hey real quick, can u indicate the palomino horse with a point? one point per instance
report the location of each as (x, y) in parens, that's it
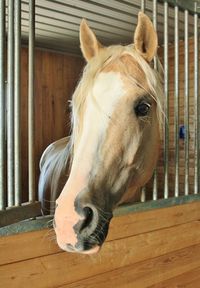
(116, 126)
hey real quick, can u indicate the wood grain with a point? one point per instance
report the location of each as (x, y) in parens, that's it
(120, 227)
(189, 279)
(144, 274)
(56, 76)
(62, 268)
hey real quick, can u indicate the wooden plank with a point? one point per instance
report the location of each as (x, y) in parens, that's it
(27, 245)
(56, 76)
(190, 279)
(63, 268)
(146, 273)
(16, 214)
(120, 227)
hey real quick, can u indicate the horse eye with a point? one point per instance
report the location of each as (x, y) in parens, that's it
(142, 109)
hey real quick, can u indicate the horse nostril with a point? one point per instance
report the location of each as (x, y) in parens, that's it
(88, 213)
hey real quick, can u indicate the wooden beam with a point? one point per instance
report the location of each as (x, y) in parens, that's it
(65, 268)
(190, 279)
(16, 214)
(120, 227)
(150, 272)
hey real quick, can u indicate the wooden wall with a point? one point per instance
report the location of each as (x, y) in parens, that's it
(56, 77)
(157, 249)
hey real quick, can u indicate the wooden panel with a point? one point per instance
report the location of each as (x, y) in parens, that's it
(186, 280)
(120, 227)
(19, 213)
(127, 247)
(56, 76)
(62, 268)
(26, 246)
(144, 274)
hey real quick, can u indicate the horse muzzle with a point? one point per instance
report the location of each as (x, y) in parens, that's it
(89, 232)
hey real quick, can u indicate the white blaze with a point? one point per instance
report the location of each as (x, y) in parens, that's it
(100, 103)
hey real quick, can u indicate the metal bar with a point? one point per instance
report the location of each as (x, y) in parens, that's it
(143, 189)
(183, 4)
(19, 213)
(186, 104)
(143, 5)
(2, 107)
(155, 180)
(176, 98)
(10, 105)
(31, 68)
(155, 4)
(17, 95)
(143, 194)
(155, 185)
(166, 91)
(196, 101)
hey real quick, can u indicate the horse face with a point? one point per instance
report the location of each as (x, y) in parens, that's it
(117, 141)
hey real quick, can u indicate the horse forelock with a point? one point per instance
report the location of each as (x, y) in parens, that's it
(106, 57)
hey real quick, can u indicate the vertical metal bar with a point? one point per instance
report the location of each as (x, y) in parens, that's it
(143, 4)
(176, 99)
(17, 92)
(10, 105)
(196, 101)
(31, 142)
(186, 105)
(143, 190)
(155, 180)
(155, 25)
(2, 106)
(166, 91)
(143, 194)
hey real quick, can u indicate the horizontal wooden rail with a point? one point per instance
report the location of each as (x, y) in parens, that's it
(19, 213)
(142, 249)
(43, 222)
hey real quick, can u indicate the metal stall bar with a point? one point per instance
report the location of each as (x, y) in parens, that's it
(17, 94)
(31, 68)
(166, 91)
(143, 190)
(155, 4)
(10, 105)
(196, 101)
(176, 99)
(2, 106)
(143, 5)
(155, 180)
(186, 105)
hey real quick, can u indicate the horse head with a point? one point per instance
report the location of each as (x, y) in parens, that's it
(116, 124)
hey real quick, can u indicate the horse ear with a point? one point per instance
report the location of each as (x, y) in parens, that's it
(145, 38)
(89, 43)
